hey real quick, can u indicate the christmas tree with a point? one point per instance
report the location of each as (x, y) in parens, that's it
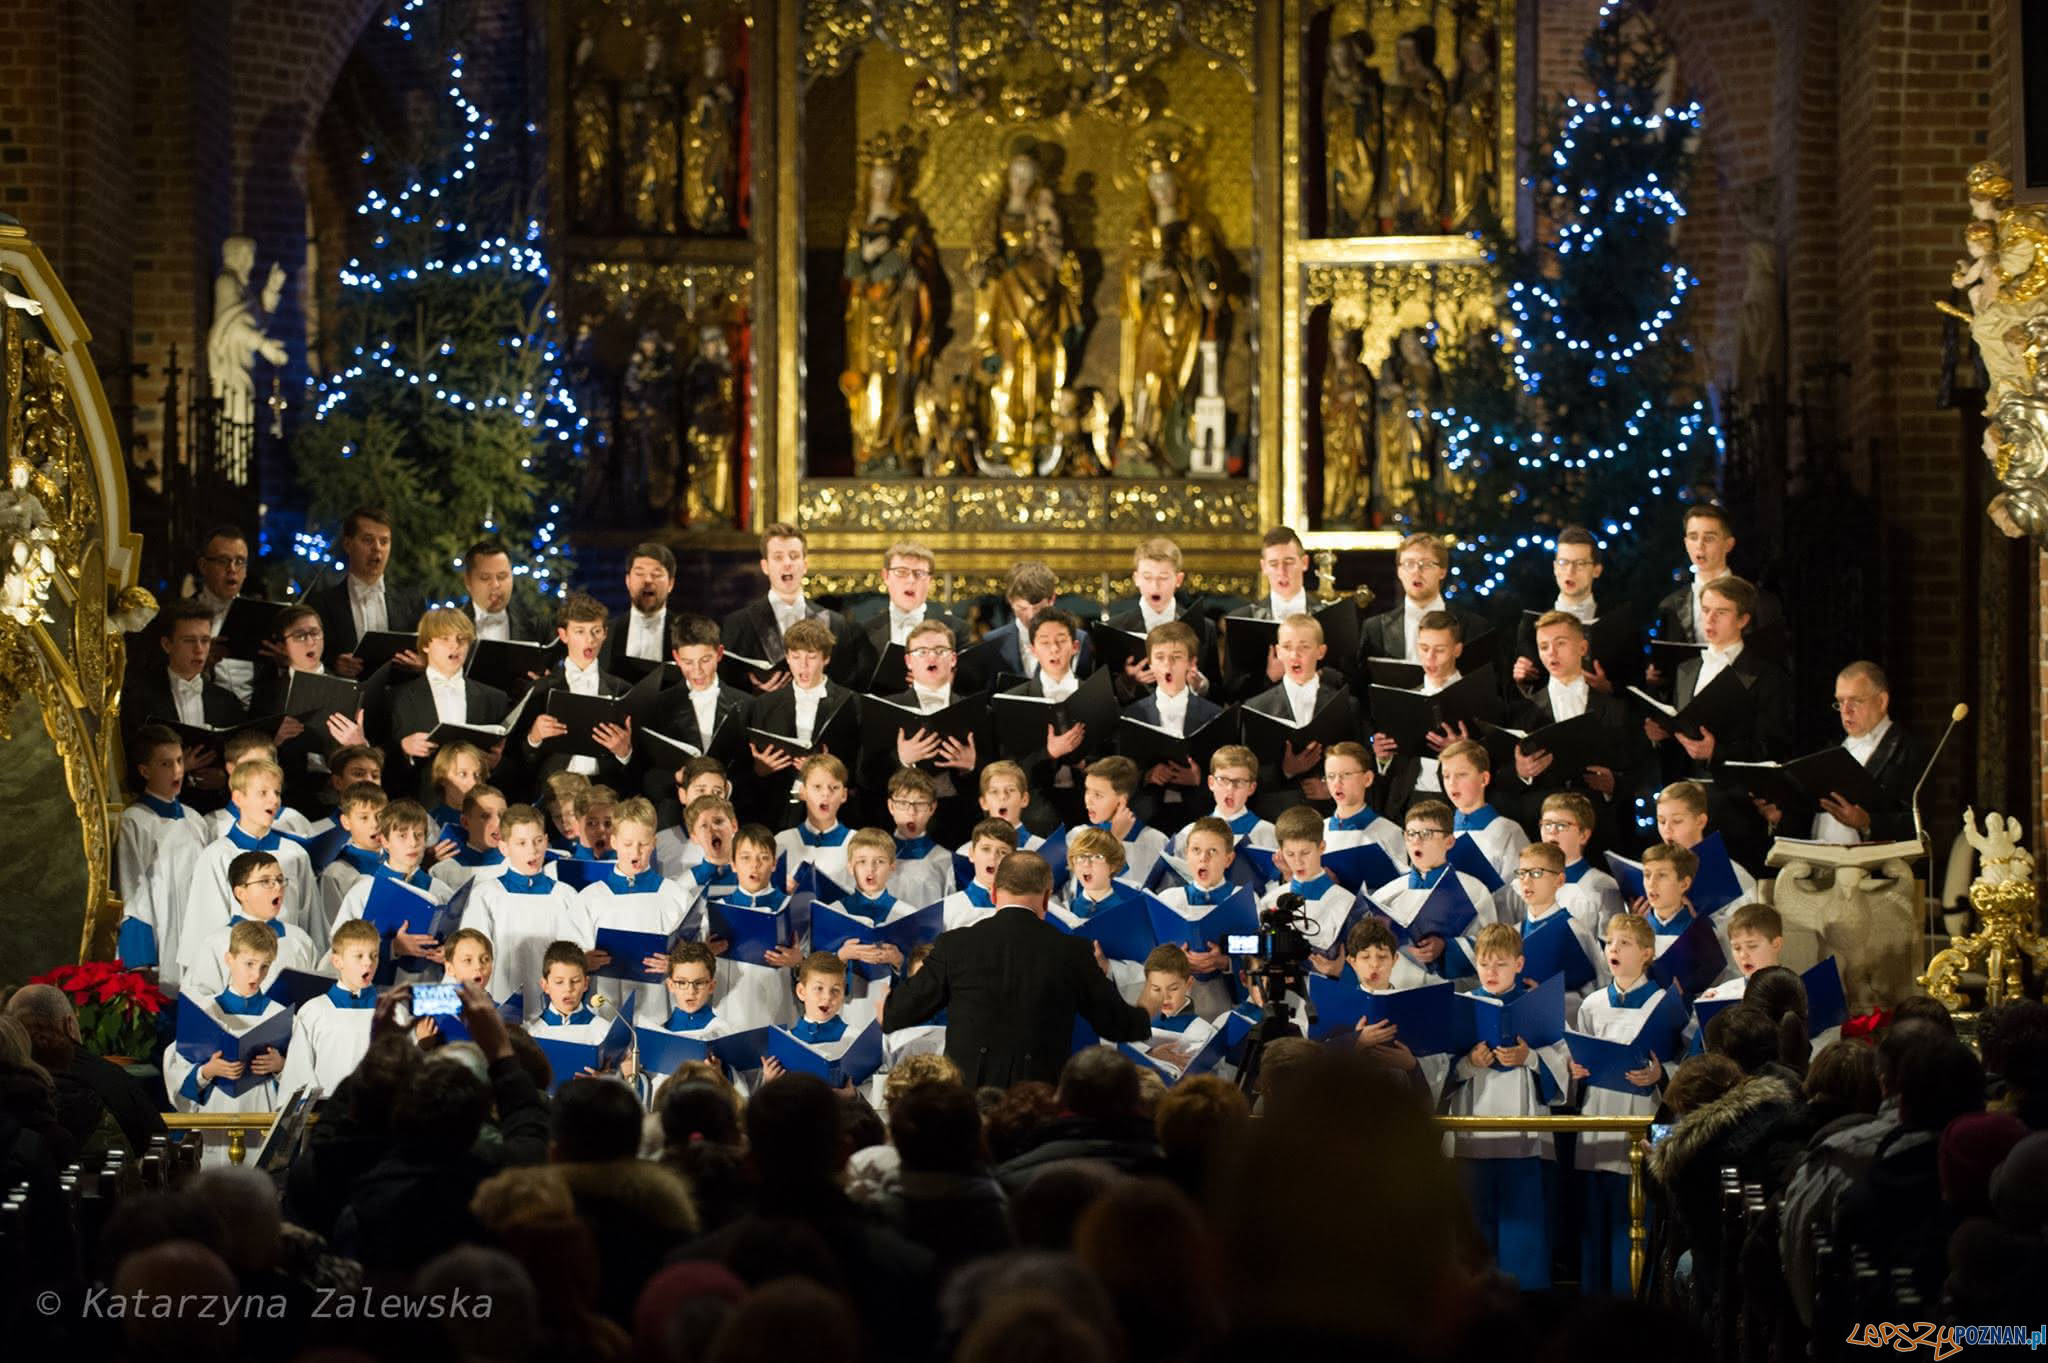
(451, 410)
(1584, 406)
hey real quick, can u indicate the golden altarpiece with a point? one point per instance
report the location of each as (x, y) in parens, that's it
(1021, 277)
(70, 565)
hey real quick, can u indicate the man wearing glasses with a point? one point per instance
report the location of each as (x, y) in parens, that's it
(223, 568)
(1422, 562)
(907, 571)
(1864, 700)
(1576, 567)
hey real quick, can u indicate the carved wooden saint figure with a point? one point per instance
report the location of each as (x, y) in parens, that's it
(650, 116)
(1353, 96)
(1413, 188)
(1027, 312)
(889, 266)
(1347, 419)
(710, 145)
(710, 427)
(1472, 137)
(1172, 294)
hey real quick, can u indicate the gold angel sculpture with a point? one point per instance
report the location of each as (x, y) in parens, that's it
(1172, 296)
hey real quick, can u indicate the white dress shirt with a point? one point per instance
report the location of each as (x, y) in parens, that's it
(1173, 711)
(236, 674)
(900, 624)
(788, 612)
(928, 701)
(1061, 689)
(705, 704)
(1411, 617)
(451, 697)
(643, 636)
(189, 697)
(1283, 608)
(1699, 628)
(366, 605)
(492, 624)
(1586, 610)
(807, 703)
(584, 681)
(1024, 654)
(1826, 827)
(1152, 621)
(1302, 697)
(1715, 661)
(1427, 775)
(1567, 700)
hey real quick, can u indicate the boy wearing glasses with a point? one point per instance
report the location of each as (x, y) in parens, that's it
(1427, 834)
(931, 656)
(924, 868)
(257, 882)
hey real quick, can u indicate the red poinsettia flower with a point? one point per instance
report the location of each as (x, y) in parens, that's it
(1867, 1024)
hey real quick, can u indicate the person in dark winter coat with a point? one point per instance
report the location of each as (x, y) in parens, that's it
(1724, 1118)
(1100, 1119)
(945, 1198)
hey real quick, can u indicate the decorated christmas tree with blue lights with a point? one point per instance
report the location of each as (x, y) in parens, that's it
(1585, 406)
(449, 409)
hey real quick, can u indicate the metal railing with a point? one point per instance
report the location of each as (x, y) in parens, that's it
(238, 1125)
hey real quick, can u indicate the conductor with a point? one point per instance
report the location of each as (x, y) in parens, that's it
(1012, 985)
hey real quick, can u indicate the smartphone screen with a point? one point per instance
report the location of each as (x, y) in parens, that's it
(436, 1000)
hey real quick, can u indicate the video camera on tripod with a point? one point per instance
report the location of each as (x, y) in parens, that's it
(1279, 952)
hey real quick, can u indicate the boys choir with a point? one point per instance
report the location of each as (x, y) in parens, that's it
(655, 838)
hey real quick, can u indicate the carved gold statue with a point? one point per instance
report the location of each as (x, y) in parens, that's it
(1413, 187)
(1408, 437)
(889, 266)
(647, 421)
(710, 145)
(591, 146)
(1172, 296)
(2004, 277)
(650, 152)
(710, 426)
(1472, 137)
(1347, 412)
(2008, 913)
(1353, 100)
(1027, 312)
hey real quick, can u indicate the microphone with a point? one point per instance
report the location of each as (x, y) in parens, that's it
(1955, 717)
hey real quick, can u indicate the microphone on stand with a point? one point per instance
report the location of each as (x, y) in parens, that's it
(1955, 717)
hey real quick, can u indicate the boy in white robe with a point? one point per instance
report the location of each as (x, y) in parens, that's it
(206, 1086)
(332, 1032)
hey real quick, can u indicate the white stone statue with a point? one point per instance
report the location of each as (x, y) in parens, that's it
(2001, 858)
(238, 335)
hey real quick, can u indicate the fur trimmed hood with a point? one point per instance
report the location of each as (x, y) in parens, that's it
(653, 1193)
(1748, 1102)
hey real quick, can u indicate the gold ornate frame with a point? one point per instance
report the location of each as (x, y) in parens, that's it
(57, 433)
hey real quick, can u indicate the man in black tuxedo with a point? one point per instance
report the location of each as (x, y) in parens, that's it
(1422, 562)
(1576, 567)
(1709, 536)
(1565, 693)
(1011, 986)
(487, 577)
(363, 602)
(907, 570)
(1863, 698)
(1761, 732)
(1157, 574)
(812, 709)
(756, 629)
(177, 690)
(640, 633)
